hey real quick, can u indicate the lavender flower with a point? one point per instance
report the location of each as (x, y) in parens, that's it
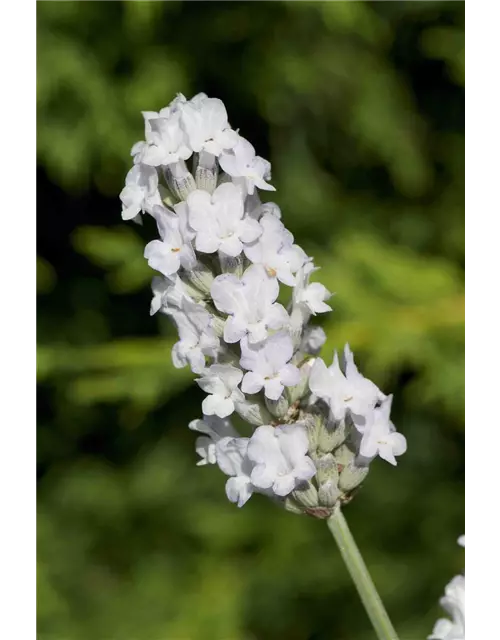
(222, 257)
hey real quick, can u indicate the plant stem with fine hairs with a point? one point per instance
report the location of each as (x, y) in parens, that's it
(361, 578)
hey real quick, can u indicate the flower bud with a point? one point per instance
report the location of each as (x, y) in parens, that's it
(179, 180)
(217, 324)
(253, 411)
(206, 172)
(306, 499)
(191, 291)
(327, 469)
(312, 340)
(227, 356)
(344, 456)
(331, 436)
(231, 265)
(313, 424)
(291, 505)
(297, 321)
(166, 197)
(200, 277)
(301, 389)
(278, 408)
(328, 494)
(352, 476)
(306, 495)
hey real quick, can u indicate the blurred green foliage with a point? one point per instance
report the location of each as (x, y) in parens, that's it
(359, 106)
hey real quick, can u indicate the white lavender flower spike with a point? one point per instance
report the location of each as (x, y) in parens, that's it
(221, 258)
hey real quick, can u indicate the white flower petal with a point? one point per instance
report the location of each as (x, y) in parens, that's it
(196, 360)
(249, 230)
(252, 382)
(239, 490)
(283, 485)
(228, 163)
(279, 350)
(234, 329)
(199, 203)
(273, 389)
(231, 246)
(320, 381)
(224, 292)
(289, 375)
(263, 446)
(231, 453)
(263, 476)
(398, 443)
(207, 243)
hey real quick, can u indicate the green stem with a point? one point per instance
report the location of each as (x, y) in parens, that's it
(361, 578)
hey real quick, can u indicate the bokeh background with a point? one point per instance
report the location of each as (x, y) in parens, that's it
(359, 107)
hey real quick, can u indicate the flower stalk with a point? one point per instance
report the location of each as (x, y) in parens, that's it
(359, 573)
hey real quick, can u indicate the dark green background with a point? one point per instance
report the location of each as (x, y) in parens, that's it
(359, 107)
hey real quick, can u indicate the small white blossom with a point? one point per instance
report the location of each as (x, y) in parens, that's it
(179, 179)
(351, 391)
(268, 365)
(255, 208)
(311, 296)
(280, 457)
(197, 337)
(214, 429)
(380, 436)
(453, 602)
(172, 251)
(221, 382)
(312, 340)
(206, 125)
(219, 222)
(139, 148)
(242, 163)
(366, 394)
(166, 142)
(174, 107)
(307, 299)
(275, 250)
(198, 99)
(231, 456)
(159, 286)
(140, 193)
(250, 303)
(270, 208)
(330, 384)
(168, 294)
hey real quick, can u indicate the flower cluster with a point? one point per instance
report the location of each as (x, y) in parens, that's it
(225, 260)
(453, 602)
